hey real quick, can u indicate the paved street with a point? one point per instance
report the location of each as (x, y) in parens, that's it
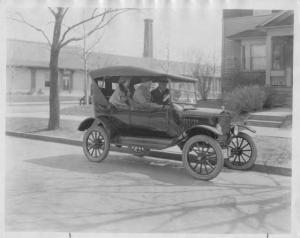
(52, 187)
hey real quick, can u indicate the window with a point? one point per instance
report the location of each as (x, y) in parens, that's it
(282, 52)
(258, 57)
(253, 56)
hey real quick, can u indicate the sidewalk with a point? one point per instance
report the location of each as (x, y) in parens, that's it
(260, 131)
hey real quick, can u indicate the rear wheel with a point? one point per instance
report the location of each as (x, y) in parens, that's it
(202, 157)
(96, 144)
(242, 152)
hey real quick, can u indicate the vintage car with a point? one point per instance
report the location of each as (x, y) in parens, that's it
(208, 138)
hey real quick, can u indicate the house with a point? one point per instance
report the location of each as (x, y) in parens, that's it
(257, 45)
(28, 68)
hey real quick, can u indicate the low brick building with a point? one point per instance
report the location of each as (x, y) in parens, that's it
(28, 68)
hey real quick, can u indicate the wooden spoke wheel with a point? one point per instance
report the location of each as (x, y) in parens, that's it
(242, 152)
(96, 144)
(202, 157)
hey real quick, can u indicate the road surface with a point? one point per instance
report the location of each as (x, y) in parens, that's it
(52, 187)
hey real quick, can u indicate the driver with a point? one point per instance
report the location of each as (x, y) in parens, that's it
(161, 95)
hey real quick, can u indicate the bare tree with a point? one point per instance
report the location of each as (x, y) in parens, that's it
(204, 71)
(99, 18)
(86, 52)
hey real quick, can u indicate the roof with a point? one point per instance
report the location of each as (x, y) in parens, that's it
(135, 71)
(36, 54)
(284, 18)
(253, 33)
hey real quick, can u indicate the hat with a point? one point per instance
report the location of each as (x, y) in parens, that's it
(124, 79)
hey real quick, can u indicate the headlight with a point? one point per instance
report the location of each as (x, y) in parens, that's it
(236, 130)
(219, 128)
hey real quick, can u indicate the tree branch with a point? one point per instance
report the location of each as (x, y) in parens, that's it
(22, 20)
(65, 12)
(96, 28)
(52, 11)
(93, 17)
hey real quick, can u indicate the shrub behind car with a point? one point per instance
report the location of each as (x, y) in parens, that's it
(246, 99)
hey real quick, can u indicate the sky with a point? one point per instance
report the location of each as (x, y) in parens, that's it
(185, 33)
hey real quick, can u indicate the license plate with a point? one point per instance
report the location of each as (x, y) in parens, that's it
(226, 152)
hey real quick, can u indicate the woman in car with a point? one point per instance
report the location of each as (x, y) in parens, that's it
(121, 96)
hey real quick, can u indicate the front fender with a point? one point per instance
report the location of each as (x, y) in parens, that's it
(242, 128)
(204, 129)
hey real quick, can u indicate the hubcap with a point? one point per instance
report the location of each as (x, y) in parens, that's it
(241, 151)
(202, 158)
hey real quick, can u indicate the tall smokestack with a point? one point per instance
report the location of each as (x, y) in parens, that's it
(148, 39)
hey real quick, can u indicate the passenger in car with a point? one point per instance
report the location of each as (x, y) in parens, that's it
(161, 95)
(121, 96)
(142, 94)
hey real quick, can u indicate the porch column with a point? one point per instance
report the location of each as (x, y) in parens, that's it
(32, 80)
(268, 59)
(71, 81)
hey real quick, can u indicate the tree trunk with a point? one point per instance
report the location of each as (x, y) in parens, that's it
(54, 83)
(54, 92)
(86, 88)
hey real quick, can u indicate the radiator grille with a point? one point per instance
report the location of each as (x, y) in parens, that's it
(189, 122)
(225, 122)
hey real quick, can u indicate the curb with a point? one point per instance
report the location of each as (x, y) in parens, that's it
(157, 154)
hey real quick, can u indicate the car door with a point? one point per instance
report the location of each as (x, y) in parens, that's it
(149, 121)
(159, 119)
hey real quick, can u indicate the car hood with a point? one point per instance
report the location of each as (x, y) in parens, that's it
(201, 112)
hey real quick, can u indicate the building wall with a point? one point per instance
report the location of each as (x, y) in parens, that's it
(42, 75)
(18, 79)
(231, 50)
(78, 82)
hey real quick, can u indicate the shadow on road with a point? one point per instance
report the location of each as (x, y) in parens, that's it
(230, 203)
(172, 173)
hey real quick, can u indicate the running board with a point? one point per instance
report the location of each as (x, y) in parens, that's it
(149, 143)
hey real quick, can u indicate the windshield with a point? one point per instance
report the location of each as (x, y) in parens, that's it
(183, 92)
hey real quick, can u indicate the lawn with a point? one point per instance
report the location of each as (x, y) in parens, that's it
(273, 151)
(36, 98)
(86, 110)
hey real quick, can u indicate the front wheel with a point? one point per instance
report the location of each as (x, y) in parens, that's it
(242, 152)
(202, 157)
(96, 144)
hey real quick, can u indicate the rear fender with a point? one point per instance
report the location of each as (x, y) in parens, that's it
(94, 122)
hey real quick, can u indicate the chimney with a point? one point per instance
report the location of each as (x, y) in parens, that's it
(148, 39)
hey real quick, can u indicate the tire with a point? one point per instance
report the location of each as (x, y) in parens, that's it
(194, 157)
(138, 150)
(96, 144)
(243, 152)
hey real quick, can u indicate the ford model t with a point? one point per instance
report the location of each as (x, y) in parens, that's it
(207, 138)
